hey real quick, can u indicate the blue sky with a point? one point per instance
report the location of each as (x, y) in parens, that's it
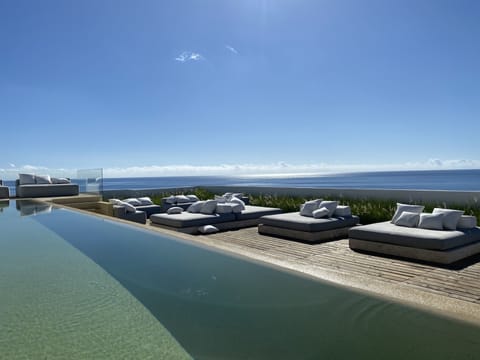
(156, 87)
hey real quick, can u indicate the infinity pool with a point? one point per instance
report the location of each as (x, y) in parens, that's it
(79, 286)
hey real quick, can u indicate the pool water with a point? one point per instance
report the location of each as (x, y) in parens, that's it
(99, 284)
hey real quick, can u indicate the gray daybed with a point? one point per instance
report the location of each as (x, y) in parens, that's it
(42, 190)
(138, 216)
(438, 246)
(304, 228)
(188, 222)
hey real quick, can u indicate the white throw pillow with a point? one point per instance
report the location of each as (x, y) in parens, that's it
(133, 201)
(115, 201)
(26, 179)
(342, 211)
(406, 207)
(237, 208)
(467, 222)
(43, 179)
(308, 207)
(174, 210)
(330, 205)
(209, 207)
(431, 221)
(207, 229)
(224, 208)
(60, 180)
(145, 200)
(450, 217)
(320, 213)
(196, 207)
(237, 201)
(408, 219)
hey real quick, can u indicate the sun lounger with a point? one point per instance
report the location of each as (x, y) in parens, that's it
(443, 237)
(438, 246)
(190, 222)
(304, 228)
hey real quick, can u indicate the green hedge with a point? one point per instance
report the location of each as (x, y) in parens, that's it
(369, 210)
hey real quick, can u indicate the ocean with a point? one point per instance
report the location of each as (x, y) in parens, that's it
(462, 180)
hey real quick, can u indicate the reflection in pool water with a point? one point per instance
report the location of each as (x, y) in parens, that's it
(220, 306)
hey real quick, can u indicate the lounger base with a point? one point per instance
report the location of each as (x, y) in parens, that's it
(223, 226)
(304, 236)
(435, 256)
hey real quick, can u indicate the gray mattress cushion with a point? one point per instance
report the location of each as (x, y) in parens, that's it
(38, 190)
(186, 219)
(255, 212)
(386, 232)
(295, 221)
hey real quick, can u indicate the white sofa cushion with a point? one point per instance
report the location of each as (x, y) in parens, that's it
(237, 201)
(330, 205)
(182, 199)
(320, 213)
(145, 200)
(467, 222)
(342, 211)
(237, 208)
(209, 207)
(26, 179)
(196, 207)
(128, 207)
(60, 180)
(408, 219)
(308, 207)
(171, 199)
(220, 199)
(192, 198)
(431, 221)
(224, 208)
(133, 201)
(406, 207)
(450, 217)
(43, 179)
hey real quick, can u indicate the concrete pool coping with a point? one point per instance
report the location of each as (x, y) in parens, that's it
(402, 281)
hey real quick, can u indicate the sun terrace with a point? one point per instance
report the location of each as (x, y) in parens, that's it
(90, 276)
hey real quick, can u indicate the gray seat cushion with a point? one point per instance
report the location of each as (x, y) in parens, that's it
(39, 190)
(149, 209)
(186, 219)
(295, 221)
(255, 212)
(386, 232)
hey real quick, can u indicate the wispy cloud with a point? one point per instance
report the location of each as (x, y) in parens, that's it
(271, 170)
(189, 56)
(231, 48)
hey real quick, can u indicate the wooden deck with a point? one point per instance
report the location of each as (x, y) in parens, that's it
(449, 290)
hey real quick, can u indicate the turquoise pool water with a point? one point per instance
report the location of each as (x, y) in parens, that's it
(78, 285)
